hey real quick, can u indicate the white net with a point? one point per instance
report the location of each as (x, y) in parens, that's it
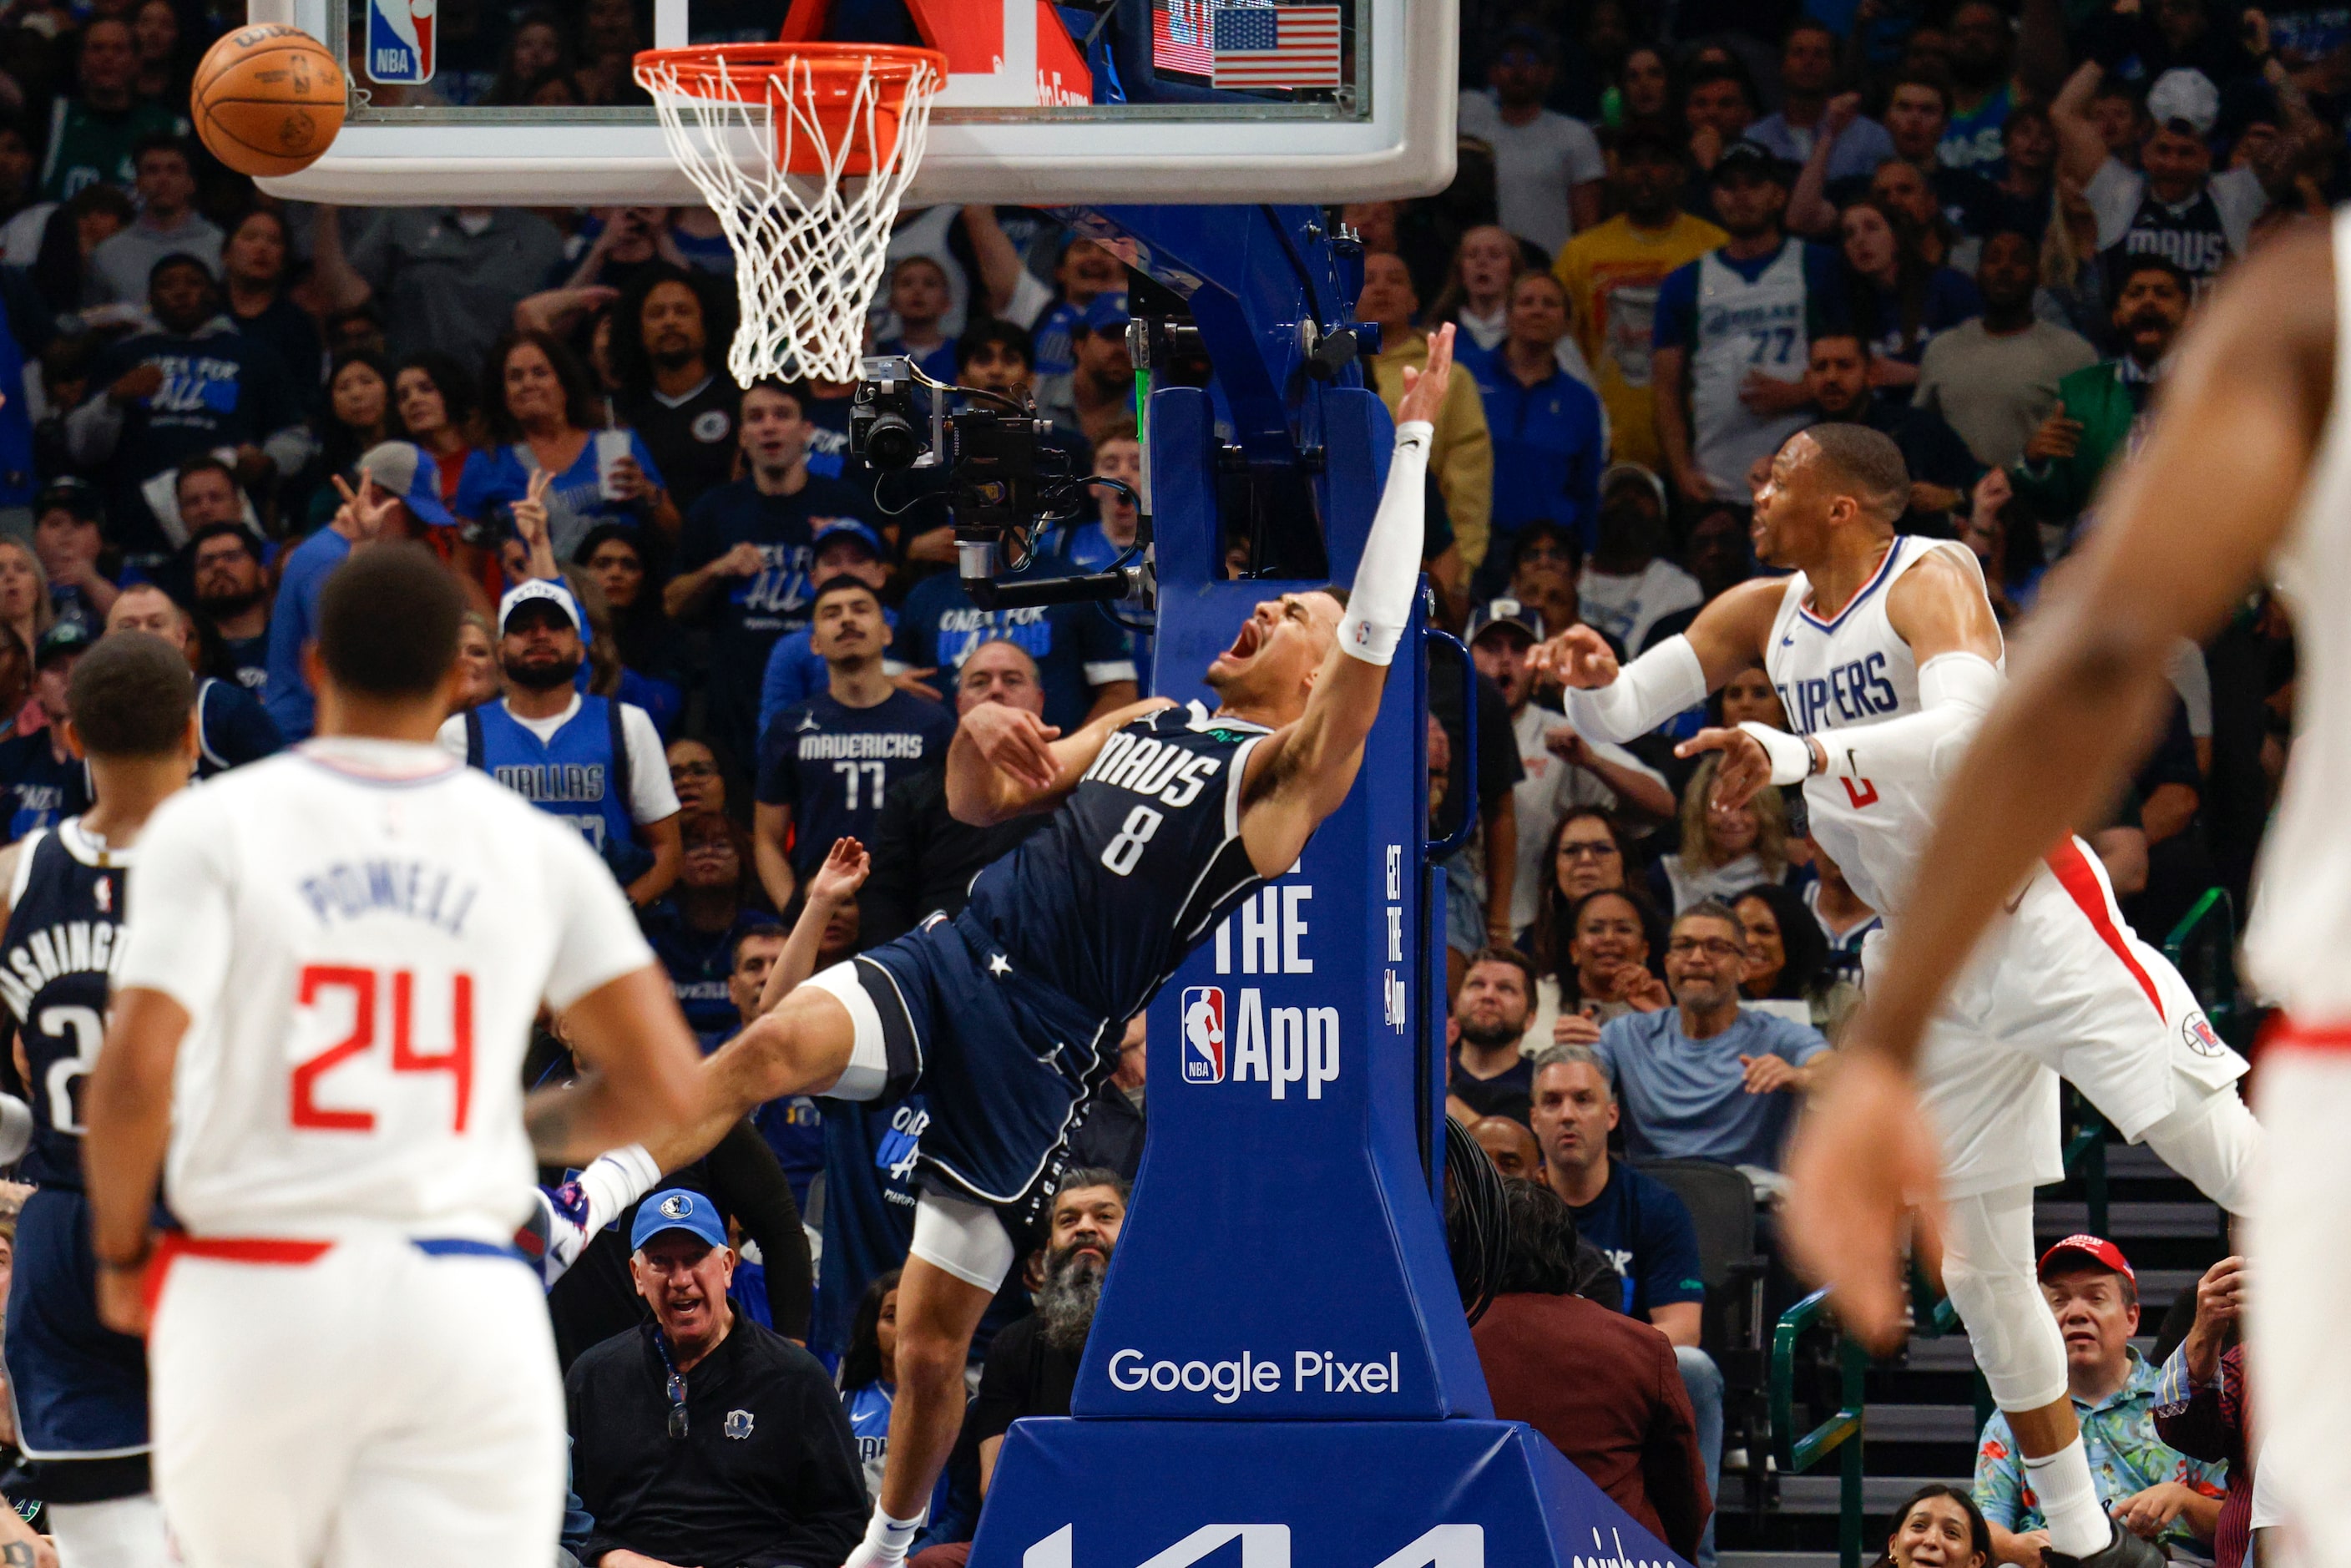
(810, 247)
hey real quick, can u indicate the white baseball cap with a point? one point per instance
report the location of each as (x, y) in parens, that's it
(2184, 99)
(539, 587)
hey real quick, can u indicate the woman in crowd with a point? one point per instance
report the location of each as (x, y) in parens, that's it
(544, 415)
(1893, 299)
(25, 607)
(695, 774)
(612, 671)
(2012, 558)
(868, 1373)
(1604, 974)
(357, 417)
(61, 264)
(257, 275)
(2072, 292)
(2028, 166)
(1788, 955)
(477, 656)
(1643, 95)
(1477, 296)
(693, 928)
(1900, 187)
(16, 681)
(647, 640)
(433, 405)
(537, 54)
(1724, 849)
(1939, 1526)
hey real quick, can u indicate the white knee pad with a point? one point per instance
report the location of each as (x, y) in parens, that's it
(125, 1532)
(963, 1238)
(1988, 1269)
(2214, 1142)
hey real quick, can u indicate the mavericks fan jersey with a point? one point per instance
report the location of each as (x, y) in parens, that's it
(1135, 868)
(1834, 675)
(56, 963)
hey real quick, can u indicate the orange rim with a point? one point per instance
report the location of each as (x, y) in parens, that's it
(711, 70)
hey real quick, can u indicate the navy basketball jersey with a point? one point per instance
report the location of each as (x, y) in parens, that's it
(55, 962)
(1135, 868)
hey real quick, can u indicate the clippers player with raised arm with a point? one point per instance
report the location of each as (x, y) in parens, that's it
(321, 1010)
(2248, 469)
(80, 1389)
(1885, 655)
(1009, 1015)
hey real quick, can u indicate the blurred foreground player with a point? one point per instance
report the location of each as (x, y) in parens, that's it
(326, 990)
(1008, 1017)
(1885, 653)
(80, 1388)
(2249, 464)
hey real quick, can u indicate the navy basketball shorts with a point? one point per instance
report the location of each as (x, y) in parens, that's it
(1005, 1061)
(80, 1389)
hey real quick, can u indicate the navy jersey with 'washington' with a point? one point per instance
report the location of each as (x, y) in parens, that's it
(1134, 869)
(55, 961)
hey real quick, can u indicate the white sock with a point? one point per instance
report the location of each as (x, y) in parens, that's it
(886, 1539)
(2061, 1483)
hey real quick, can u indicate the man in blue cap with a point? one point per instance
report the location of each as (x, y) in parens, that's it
(1101, 388)
(399, 493)
(595, 762)
(700, 1436)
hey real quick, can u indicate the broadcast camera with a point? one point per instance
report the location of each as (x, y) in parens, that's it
(1005, 486)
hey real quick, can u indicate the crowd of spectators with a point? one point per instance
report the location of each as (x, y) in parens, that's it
(716, 642)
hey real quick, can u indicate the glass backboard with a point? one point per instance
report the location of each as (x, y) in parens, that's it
(1118, 100)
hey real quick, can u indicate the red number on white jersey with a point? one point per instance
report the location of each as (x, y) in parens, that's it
(362, 987)
(1860, 791)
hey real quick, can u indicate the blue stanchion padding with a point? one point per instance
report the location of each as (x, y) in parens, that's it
(1338, 1494)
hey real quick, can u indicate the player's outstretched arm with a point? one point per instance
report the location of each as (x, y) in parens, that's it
(1006, 762)
(639, 1078)
(127, 1121)
(1605, 701)
(2184, 531)
(1300, 774)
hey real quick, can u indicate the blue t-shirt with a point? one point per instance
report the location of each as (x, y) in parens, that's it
(830, 764)
(1974, 139)
(793, 1127)
(795, 672)
(1686, 1099)
(1950, 298)
(869, 1205)
(1647, 1233)
(294, 621)
(494, 479)
(1076, 646)
(1548, 452)
(1676, 324)
(1057, 354)
(748, 614)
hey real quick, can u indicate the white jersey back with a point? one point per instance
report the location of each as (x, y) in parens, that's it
(1854, 670)
(2300, 928)
(362, 932)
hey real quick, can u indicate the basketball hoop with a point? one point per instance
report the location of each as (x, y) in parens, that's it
(803, 150)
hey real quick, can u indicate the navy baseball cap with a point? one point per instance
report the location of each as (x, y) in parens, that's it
(1108, 313)
(677, 1208)
(409, 472)
(1747, 156)
(848, 529)
(61, 640)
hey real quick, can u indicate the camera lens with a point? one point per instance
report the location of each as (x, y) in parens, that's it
(891, 442)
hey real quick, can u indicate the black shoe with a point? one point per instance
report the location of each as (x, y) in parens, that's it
(2125, 1551)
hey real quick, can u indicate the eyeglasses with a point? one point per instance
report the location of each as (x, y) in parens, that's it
(1598, 850)
(676, 1390)
(1713, 947)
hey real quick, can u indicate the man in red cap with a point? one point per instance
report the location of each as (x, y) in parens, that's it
(2156, 1492)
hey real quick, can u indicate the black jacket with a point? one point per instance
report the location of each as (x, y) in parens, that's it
(766, 1476)
(923, 859)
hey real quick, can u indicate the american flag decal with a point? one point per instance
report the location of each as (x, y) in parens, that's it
(1181, 36)
(1277, 47)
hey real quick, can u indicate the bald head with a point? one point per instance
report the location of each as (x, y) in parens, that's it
(1865, 464)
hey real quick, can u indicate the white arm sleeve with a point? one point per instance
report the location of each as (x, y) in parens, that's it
(1646, 693)
(1380, 603)
(1955, 692)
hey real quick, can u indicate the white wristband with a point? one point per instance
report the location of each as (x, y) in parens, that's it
(1791, 754)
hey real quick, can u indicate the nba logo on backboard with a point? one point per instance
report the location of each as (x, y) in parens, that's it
(400, 41)
(1203, 1034)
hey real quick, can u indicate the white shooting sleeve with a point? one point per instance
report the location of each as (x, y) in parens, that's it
(1646, 693)
(1380, 603)
(1955, 692)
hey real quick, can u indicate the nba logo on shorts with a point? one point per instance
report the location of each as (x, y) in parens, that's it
(400, 41)
(1203, 1034)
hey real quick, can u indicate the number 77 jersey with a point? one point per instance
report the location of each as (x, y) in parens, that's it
(362, 932)
(65, 918)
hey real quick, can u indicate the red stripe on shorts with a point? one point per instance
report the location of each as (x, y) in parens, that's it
(261, 1249)
(2282, 1030)
(2089, 896)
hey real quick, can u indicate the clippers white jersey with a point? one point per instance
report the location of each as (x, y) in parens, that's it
(2301, 925)
(362, 932)
(1854, 670)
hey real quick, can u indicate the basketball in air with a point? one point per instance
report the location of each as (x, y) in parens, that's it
(268, 100)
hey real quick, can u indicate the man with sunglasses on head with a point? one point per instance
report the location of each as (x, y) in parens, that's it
(698, 1436)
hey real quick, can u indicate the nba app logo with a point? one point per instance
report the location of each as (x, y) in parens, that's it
(1203, 1034)
(400, 41)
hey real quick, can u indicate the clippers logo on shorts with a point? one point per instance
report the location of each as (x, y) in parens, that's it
(400, 41)
(2201, 1037)
(1203, 1034)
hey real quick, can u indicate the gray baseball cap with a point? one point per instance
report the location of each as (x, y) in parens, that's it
(409, 472)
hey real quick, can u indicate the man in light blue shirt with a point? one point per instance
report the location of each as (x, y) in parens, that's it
(1707, 1079)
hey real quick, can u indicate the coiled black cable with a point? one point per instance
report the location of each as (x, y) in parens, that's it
(1476, 1220)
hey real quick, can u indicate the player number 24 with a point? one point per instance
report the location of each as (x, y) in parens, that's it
(365, 988)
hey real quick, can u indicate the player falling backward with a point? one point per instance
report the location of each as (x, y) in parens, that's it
(325, 986)
(1164, 818)
(2247, 469)
(1885, 653)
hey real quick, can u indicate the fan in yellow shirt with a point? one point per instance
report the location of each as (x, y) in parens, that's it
(1611, 274)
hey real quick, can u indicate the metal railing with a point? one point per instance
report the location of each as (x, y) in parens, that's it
(1839, 1435)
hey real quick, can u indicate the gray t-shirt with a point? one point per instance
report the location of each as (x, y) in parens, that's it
(449, 280)
(120, 266)
(1686, 1099)
(1535, 166)
(1995, 389)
